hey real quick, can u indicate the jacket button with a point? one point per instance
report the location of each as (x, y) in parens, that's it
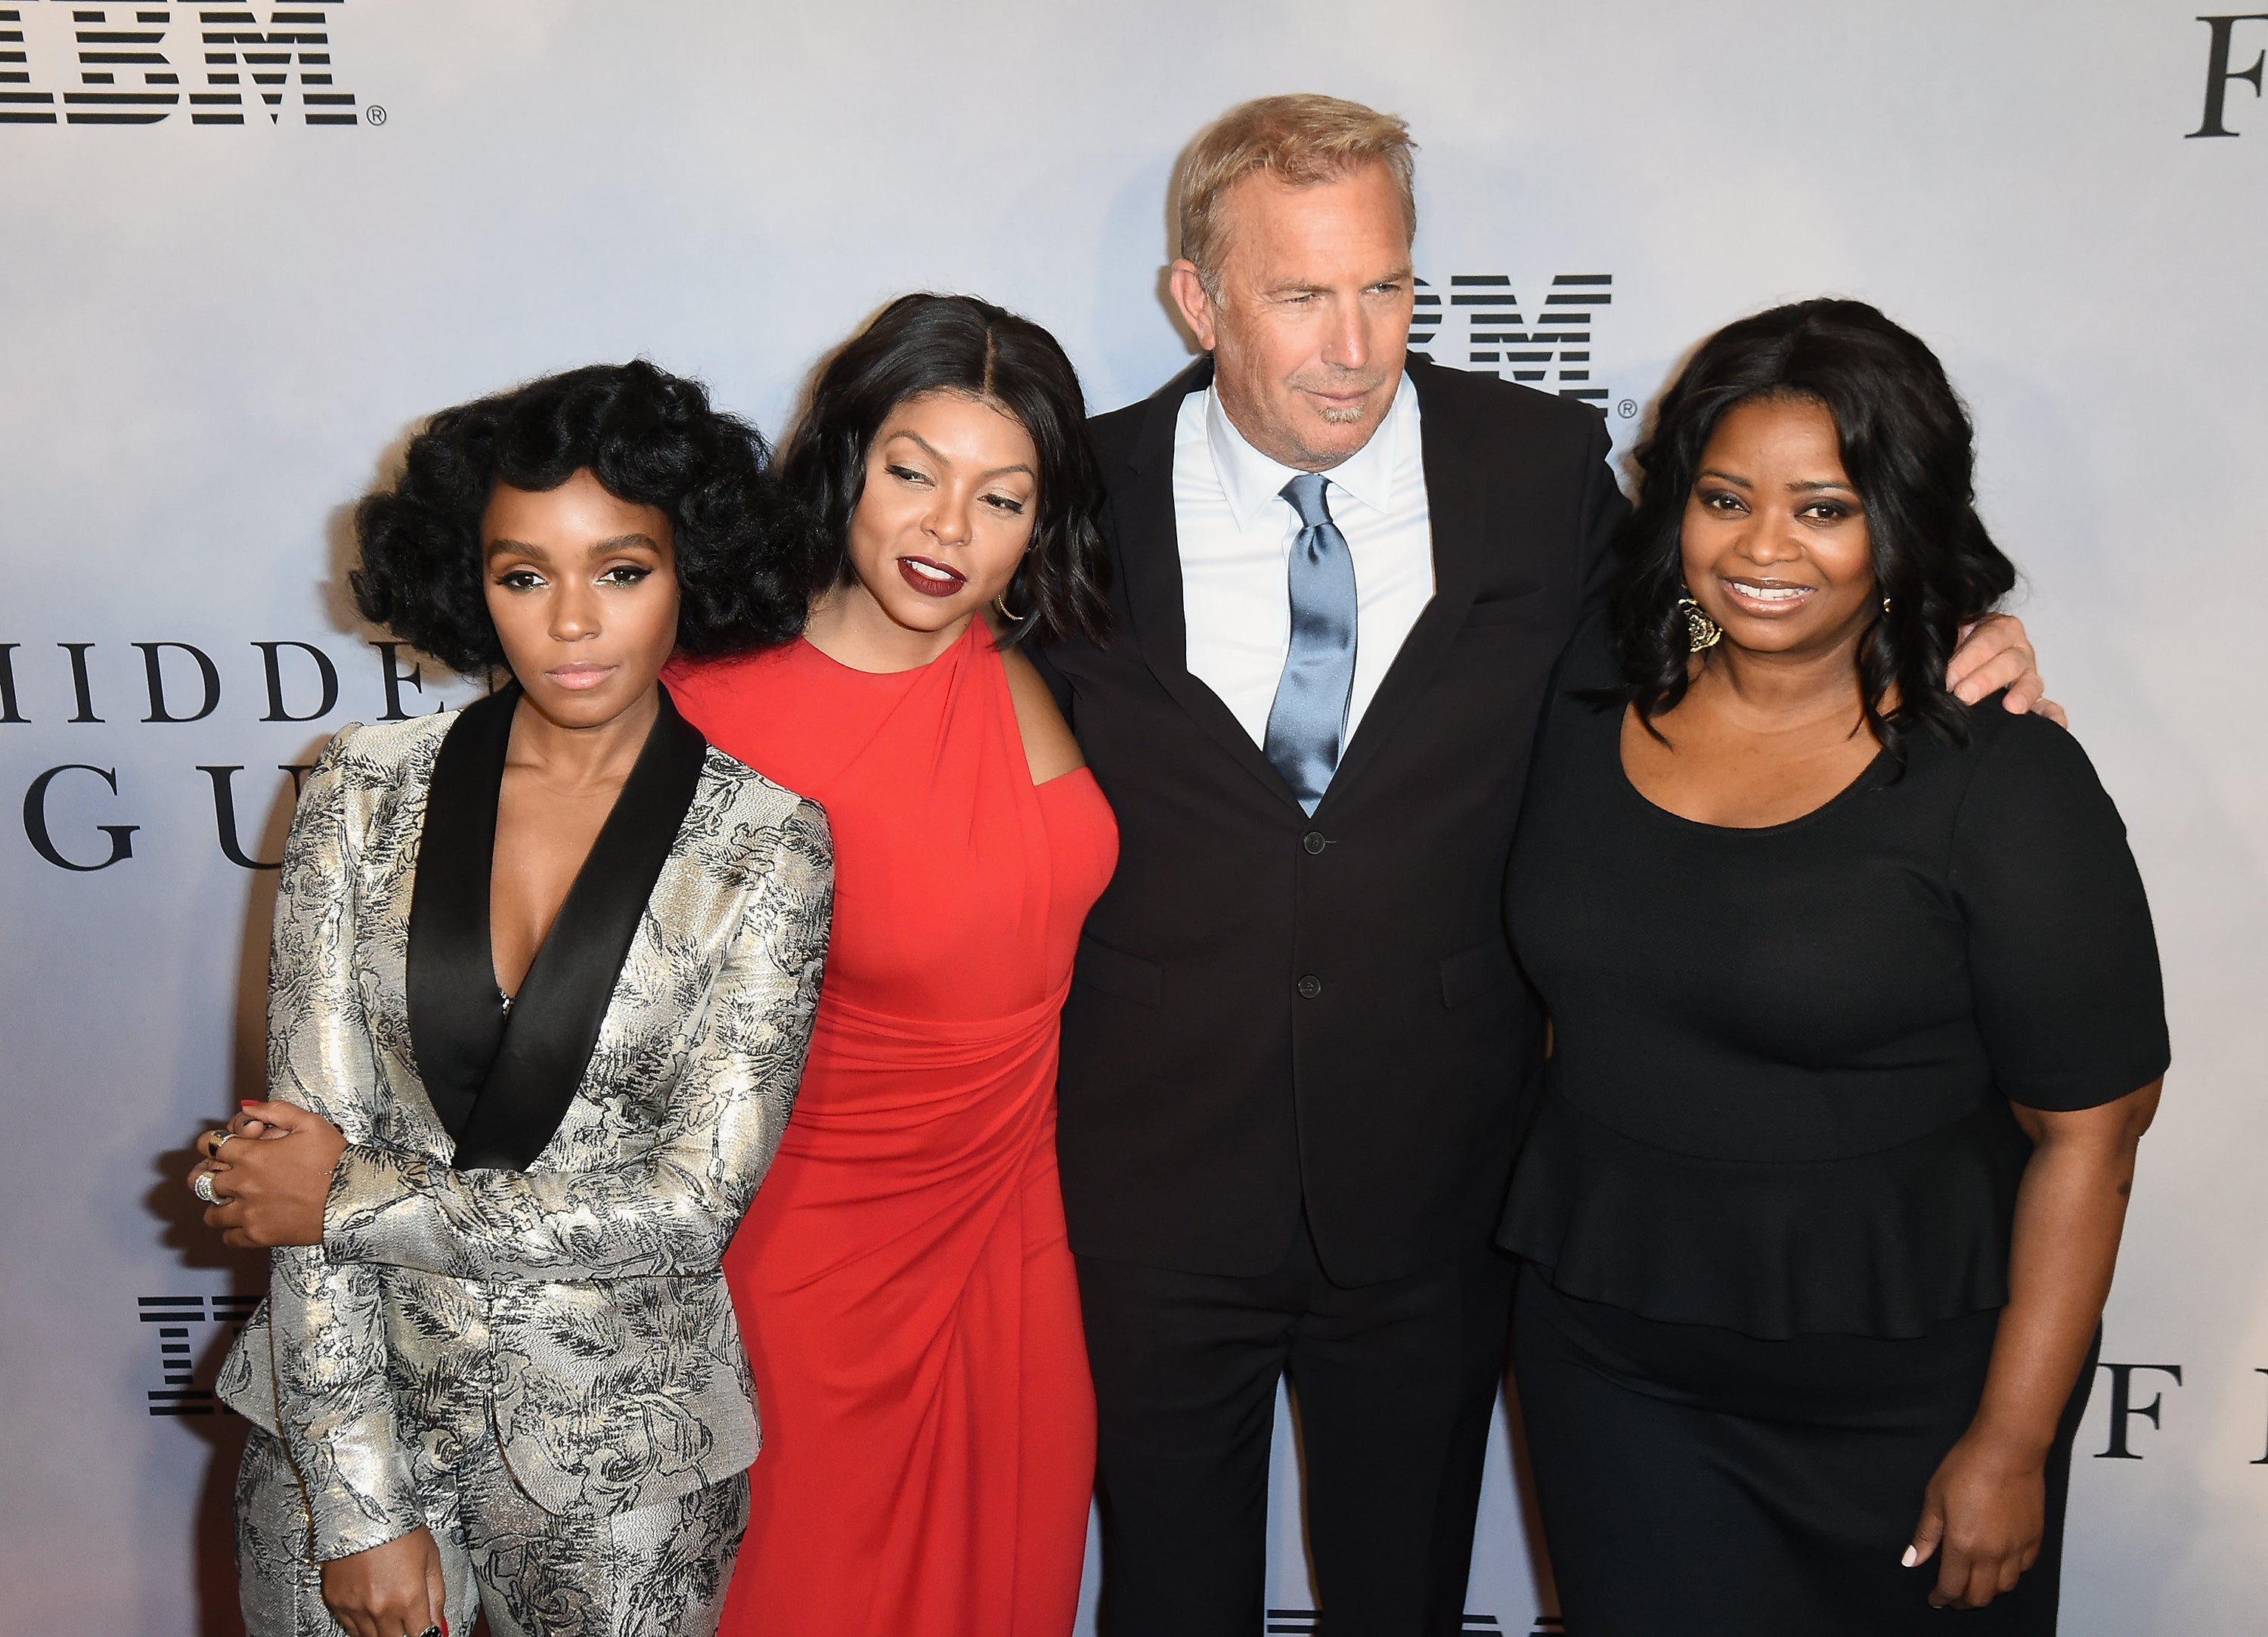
(1310, 986)
(1312, 841)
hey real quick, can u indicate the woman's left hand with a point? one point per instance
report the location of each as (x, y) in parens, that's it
(272, 1177)
(1985, 1512)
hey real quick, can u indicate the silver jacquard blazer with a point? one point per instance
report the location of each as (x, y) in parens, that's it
(572, 1311)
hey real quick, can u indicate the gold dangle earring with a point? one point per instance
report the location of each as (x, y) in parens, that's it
(1701, 631)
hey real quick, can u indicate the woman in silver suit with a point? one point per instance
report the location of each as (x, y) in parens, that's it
(543, 976)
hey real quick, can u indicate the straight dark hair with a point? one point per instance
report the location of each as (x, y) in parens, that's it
(923, 343)
(1909, 451)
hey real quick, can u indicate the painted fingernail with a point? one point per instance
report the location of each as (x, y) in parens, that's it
(1911, 1558)
(246, 1103)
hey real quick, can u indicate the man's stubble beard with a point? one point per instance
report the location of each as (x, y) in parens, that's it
(1286, 431)
(1320, 459)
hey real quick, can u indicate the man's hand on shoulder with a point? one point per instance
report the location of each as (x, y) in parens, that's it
(1996, 653)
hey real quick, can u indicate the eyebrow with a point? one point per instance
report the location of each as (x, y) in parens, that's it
(944, 460)
(1814, 487)
(598, 548)
(1299, 286)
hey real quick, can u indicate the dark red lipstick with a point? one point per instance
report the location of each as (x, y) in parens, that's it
(932, 578)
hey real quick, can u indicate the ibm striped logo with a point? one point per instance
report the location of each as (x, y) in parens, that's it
(138, 65)
(181, 1322)
(1485, 325)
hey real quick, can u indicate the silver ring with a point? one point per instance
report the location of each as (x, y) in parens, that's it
(216, 1141)
(202, 1188)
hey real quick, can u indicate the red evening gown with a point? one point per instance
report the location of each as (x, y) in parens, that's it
(904, 1281)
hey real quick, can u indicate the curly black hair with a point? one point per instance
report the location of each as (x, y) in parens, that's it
(922, 343)
(1909, 451)
(745, 551)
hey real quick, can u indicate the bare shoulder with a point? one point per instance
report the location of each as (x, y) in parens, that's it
(1050, 750)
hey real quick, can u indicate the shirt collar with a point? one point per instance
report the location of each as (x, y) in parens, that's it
(1252, 482)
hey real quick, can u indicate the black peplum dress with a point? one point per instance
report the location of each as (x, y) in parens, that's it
(1767, 1200)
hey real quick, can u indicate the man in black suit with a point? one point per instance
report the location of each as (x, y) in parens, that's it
(1297, 1040)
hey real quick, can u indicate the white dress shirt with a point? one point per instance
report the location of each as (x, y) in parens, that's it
(1237, 532)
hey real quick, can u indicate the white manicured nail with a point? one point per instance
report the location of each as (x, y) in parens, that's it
(1911, 1558)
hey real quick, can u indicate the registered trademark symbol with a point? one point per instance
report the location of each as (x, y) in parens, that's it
(1627, 409)
(374, 113)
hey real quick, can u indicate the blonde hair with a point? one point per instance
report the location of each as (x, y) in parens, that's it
(1299, 140)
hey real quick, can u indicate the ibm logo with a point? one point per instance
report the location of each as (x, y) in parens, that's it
(1482, 327)
(131, 73)
(179, 1320)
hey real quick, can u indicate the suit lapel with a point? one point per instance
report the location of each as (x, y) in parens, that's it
(449, 978)
(549, 1037)
(1150, 559)
(1456, 505)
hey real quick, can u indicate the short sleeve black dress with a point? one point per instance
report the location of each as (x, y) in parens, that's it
(1767, 1197)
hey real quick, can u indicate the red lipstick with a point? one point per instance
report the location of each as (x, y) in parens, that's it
(931, 578)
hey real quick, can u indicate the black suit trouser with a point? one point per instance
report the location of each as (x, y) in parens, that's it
(1394, 1385)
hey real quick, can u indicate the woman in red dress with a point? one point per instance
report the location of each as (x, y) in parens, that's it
(905, 1284)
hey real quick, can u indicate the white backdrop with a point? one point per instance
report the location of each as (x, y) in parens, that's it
(212, 334)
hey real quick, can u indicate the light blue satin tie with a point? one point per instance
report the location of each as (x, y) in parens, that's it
(1306, 724)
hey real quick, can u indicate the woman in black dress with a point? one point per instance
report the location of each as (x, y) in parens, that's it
(1857, 1024)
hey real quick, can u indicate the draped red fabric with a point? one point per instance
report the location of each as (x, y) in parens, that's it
(902, 1281)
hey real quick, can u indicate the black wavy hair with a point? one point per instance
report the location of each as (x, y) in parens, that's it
(1909, 449)
(744, 550)
(921, 344)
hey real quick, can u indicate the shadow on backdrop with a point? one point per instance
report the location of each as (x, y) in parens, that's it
(182, 1216)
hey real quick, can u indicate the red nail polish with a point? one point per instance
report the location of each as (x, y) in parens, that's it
(247, 1104)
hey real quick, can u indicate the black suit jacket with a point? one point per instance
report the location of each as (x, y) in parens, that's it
(1270, 1009)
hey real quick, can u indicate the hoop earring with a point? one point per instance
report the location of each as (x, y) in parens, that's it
(1000, 602)
(1701, 631)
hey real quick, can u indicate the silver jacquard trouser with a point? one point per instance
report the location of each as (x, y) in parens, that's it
(657, 1571)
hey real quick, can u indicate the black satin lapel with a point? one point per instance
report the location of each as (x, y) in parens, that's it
(450, 978)
(1456, 505)
(1150, 558)
(555, 1019)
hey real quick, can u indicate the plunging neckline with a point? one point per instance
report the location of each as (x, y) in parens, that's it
(501, 1069)
(508, 998)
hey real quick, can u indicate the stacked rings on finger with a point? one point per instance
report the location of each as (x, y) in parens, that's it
(203, 1189)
